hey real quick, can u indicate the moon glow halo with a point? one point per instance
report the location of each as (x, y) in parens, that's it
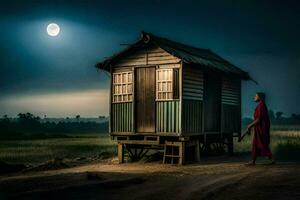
(53, 29)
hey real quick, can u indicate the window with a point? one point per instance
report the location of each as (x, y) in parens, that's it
(122, 87)
(167, 87)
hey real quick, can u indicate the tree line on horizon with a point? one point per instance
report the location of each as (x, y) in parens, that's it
(29, 124)
(278, 118)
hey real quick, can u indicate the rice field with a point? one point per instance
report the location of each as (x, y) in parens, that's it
(285, 145)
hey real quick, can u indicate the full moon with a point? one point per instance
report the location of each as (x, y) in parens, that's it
(53, 29)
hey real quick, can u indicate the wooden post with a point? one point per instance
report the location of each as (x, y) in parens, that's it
(181, 153)
(230, 145)
(165, 152)
(121, 152)
(197, 151)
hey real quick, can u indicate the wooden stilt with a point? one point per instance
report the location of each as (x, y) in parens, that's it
(197, 151)
(181, 153)
(230, 145)
(121, 152)
(165, 151)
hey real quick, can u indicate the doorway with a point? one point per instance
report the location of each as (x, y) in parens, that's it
(145, 99)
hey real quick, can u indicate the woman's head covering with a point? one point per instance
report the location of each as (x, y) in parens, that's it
(262, 96)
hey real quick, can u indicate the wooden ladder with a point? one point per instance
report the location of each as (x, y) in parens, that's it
(174, 152)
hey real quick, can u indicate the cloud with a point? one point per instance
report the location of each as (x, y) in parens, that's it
(85, 103)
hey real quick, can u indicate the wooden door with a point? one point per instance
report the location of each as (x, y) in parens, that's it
(145, 99)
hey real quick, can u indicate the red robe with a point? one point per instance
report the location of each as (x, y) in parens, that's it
(261, 137)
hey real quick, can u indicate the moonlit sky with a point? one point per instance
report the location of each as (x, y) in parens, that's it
(55, 76)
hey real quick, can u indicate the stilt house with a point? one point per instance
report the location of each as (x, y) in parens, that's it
(172, 96)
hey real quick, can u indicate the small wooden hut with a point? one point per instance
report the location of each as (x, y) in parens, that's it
(172, 96)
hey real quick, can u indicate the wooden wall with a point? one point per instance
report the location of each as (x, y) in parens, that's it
(121, 114)
(147, 56)
(192, 116)
(212, 102)
(167, 116)
(121, 69)
(231, 119)
(167, 113)
(231, 91)
(220, 101)
(122, 117)
(192, 99)
(193, 80)
(231, 105)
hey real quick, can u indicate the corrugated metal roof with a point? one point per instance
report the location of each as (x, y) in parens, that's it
(187, 53)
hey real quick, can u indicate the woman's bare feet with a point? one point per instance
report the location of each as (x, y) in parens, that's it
(271, 162)
(250, 163)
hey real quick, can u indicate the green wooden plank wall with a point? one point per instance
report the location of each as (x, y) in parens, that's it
(122, 116)
(167, 116)
(191, 116)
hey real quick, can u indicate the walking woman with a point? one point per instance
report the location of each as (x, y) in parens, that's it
(261, 130)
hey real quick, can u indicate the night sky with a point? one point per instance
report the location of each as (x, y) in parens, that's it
(55, 76)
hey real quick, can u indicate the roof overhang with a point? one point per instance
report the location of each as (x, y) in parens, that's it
(187, 54)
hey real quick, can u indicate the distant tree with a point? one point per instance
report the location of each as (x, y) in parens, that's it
(101, 117)
(271, 115)
(25, 116)
(294, 116)
(29, 122)
(279, 115)
(5, 119)
(77, 117)
(28, 117)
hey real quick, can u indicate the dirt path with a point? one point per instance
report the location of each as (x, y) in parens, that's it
(208, 180)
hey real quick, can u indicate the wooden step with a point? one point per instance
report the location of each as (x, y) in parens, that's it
(174, 152)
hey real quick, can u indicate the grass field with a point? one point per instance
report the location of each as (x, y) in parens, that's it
(285, 144)
(41, 150)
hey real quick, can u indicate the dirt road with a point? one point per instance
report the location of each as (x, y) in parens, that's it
(109, 180)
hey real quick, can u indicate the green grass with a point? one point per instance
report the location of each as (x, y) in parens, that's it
(285, 144)
(285, 127)
(38, 151)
